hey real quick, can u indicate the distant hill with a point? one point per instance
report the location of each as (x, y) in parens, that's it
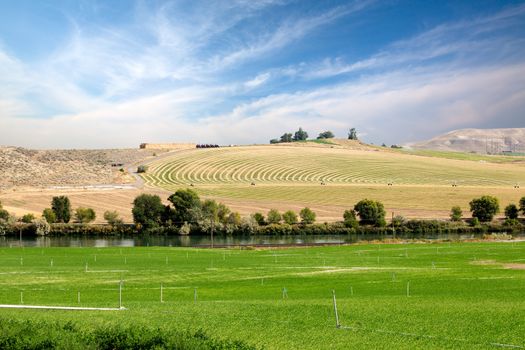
(490, 141)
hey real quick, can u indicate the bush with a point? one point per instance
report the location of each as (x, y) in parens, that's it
(42, 227)
(61, 206)
(522, 205)
(511, 211)
(259, 219)
(326, 135)
(274, 217)
(112, 218)
(511, 222)
(474, 222)
(371, 212)
(484, 208)
(398, 221)
(49, 215)
(307, 216)
(142, 169)
(350, 219)
(4, 214)
(456, 214)
(290, 217)
(85, 215)
(27, 218)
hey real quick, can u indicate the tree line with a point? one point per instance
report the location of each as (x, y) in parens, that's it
(301, 135)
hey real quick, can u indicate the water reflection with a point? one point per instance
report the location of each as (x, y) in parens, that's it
(197, 241)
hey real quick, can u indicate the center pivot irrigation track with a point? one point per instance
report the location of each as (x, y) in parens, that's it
(309, 165)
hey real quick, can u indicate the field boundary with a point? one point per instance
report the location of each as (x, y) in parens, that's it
(72, 308)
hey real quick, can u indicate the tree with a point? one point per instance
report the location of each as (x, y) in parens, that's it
(300, 135)
(307, 216)
(112, 218)
(4, 214)
(352, 134)
(49, 215)
(511, 211)
(85, 215)
(210, 210)
(522, 205)
(274, 217)
(274, 141)
(370, 212)
(259, 219)
(147, 210)
(61, 206)
(142, 169)
(349, 218)
(326, 135)
(484, 208)
(456, 214)
(286, 137)
(234, 219)
(290, 217)
(187, 205)
(27, 218)
(222, 213)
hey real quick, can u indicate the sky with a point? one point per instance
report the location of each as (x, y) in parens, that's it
(116, 73)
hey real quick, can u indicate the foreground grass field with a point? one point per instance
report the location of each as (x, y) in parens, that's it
(461, 295)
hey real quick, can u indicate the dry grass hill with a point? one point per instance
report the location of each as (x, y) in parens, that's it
(484, 141)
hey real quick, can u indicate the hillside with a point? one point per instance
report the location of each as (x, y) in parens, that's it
(484, 141)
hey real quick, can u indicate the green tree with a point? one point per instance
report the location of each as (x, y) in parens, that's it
(61, 206)
(286, 137)
(307, 216)
(274, 217)
(49, 215)
(147, 210)
(522, 205)
(85, 215)
(326, 135)
(28, 218)
(511, 211)
(222, 212)
(112, 218)
(370, 212)
(300, 135)
(259, 219)
(187, 205)
(484, 208)
(290, 217)
(234, 219)
(456, 213)
(350, 219)
(352, 134)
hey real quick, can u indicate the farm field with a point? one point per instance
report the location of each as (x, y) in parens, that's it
(460, 295)
(290, 177)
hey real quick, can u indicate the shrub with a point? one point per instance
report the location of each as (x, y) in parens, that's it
(234, 219)
(142, 169)
(85, 215)
(350, 219)
(42, 227)
(522, 205)
(274, 217)
(112, 218)
(307, 216)
(371, 212)
(259, 219)
(511, 222)
(456, 214)
(326, 135)
(474, 222)
(49, 215)
(511, 211)
(290, 217)
(398, 221)
(187, 205)
(4, 214)
(484, 208)
(27, 218)
(61, 206)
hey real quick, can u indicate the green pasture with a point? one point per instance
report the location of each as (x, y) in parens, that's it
(461, 295)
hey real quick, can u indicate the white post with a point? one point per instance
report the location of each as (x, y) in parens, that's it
(86, 269)
(21, 297)
(166, 260)
(337, 325)
(95, 258)
(21, 261)
(51, 263)
(195, 295)
(78, 297)
(161, 292)
(351, 290)
(120, 295)
(408, 288)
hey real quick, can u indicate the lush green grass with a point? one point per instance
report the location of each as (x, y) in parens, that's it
(461, 294)
(517, 157)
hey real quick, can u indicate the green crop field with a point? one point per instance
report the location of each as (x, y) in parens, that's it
(460, 295)
(287, 177)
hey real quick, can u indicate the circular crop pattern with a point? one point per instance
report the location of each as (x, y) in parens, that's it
(308, 165)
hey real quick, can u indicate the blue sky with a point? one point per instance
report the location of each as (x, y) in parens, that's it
(89, 74)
